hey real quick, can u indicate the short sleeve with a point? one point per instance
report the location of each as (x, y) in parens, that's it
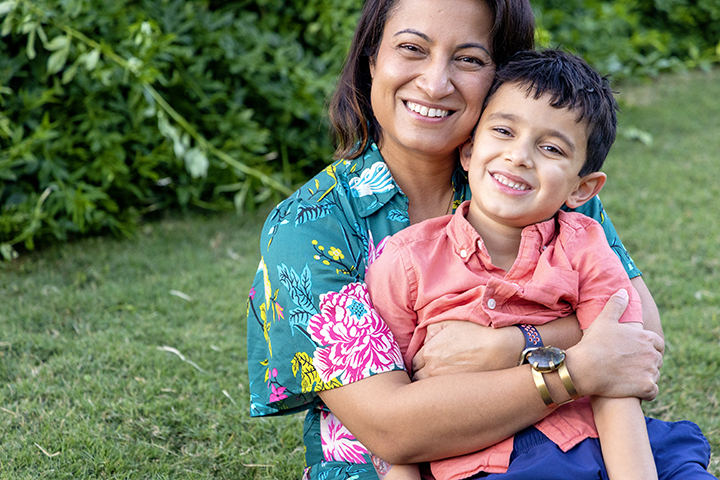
(595, 210)
(311, 325)
(392, 291)
(600, 273)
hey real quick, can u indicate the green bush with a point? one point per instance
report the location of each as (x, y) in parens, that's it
(114, 109)
(111, 110)
(634, 37)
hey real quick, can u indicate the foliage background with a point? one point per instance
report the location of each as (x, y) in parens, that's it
(114, 110)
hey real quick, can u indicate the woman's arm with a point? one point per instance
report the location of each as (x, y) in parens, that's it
(393, 417)
(462, 347)
(650, 313)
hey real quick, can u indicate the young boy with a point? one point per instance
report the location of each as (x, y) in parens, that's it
(511, 256)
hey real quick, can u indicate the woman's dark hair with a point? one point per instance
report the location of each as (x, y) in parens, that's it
(351, 114)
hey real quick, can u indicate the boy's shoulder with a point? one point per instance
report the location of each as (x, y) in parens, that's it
(427, 230)
(578, 229)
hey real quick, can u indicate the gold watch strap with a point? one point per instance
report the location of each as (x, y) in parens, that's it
(542, 388)
(567, 382)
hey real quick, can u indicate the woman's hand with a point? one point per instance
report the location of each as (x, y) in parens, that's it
(456, 346)
(616, 360)
(462, 346)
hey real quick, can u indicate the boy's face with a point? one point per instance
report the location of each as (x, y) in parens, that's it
(525, 158)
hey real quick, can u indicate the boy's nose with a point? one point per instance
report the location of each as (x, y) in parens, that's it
(519, 155)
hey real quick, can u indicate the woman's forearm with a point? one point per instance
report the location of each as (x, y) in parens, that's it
(439, 417)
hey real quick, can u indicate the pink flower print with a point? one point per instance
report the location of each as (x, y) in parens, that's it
(337, 442)
(252, 293)
(354, 341)
(277, 393)
(374, 251)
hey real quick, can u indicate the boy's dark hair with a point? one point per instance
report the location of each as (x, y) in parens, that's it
(572, 84)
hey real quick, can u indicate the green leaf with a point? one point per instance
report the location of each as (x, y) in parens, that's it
(91, 60)
(8, 252)
(58, 43)
(57, 61)
(31, 45)
(7, 24)
(196, 163)
(70, 73)
(7, 6)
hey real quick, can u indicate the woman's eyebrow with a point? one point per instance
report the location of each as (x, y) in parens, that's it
(427, 39)
(414, 32)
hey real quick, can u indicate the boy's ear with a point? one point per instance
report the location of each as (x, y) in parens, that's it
(589, 186)
(466, 154)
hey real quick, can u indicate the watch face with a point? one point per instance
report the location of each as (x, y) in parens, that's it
(546, 359)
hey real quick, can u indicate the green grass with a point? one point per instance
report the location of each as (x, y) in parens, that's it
(90, 386)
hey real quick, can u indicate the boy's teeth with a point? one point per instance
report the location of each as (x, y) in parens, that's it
(427, 112)
(511, 184)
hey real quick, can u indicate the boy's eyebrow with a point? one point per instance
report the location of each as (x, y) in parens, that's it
(514, 118)
(427, 39)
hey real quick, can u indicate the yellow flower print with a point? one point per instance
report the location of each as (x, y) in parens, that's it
(336, 253)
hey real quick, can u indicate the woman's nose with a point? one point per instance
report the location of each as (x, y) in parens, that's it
(436, 79)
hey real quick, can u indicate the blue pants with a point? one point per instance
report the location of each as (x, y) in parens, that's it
(680, 449)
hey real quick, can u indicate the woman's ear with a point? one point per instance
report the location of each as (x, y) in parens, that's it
(466, 154)
(589, 186)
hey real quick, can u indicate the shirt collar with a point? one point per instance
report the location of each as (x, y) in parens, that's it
(372, 186)
(368, 181)
(466, 239)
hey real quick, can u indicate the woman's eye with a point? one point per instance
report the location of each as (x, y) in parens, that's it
(410, 48)
(502, 131)
(473, 61)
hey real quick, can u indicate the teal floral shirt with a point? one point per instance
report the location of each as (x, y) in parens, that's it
(311, 325)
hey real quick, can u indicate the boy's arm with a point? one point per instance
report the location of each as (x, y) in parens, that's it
(620, 422)
(623, 437)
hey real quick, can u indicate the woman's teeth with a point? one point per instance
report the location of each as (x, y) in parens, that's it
(427, 112)
(511, 184)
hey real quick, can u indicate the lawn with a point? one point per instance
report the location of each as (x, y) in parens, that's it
(126, 358)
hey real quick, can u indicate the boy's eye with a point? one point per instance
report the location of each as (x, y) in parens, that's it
(502, 131)
(552, 149)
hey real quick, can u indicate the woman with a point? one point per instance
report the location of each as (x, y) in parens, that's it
(411, 91)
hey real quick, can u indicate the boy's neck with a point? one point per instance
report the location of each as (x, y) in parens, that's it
(502, 242)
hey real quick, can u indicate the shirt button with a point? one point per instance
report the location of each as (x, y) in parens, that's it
(492, 304)
(463, 253)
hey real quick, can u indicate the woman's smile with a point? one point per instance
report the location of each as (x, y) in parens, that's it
(427, 112)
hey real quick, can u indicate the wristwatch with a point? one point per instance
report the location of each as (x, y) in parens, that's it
(546, 360)
(532, 341)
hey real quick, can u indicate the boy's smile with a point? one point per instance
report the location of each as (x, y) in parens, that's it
(524, 161)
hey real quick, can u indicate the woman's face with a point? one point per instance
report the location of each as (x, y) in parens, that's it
(431, 74)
